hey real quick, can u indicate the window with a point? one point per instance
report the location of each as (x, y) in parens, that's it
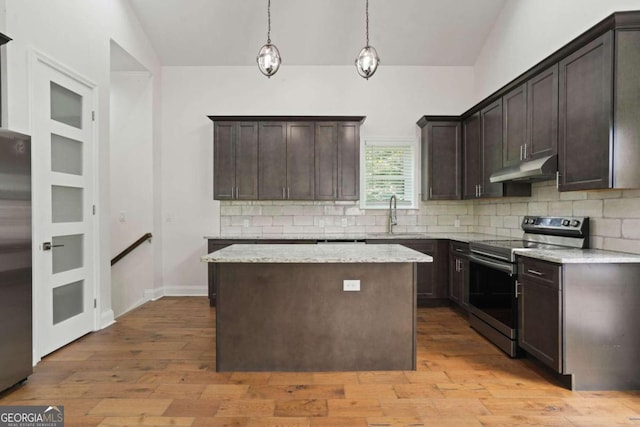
(389, 168)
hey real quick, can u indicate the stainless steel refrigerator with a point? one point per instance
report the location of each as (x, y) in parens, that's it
(15, 259)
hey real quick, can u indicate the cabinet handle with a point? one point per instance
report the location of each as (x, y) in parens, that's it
(288, 196)
(237, 192)
(232, 193)
(521, 153)
(459, 250)
(557, 179)
(283, 194)
(430, 192)
(479, 190)
(518, 293)
(525, 152)
(537, 273)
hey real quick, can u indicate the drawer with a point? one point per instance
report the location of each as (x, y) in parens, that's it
(541, 271)
(459, 248)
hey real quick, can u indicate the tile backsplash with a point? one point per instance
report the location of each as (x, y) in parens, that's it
(614, 216)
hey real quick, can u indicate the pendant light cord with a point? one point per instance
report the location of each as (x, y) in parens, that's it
(367, 20)
(269, 21)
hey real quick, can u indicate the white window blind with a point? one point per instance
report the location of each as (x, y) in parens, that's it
(389, 170)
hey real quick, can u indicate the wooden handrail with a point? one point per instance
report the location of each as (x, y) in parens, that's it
(131, 247)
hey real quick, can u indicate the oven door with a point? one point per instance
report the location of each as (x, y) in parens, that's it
(492, 301)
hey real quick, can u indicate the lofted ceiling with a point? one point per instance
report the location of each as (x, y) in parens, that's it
(317, 32)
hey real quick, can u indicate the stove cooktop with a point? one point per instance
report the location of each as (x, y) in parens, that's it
(503, 249)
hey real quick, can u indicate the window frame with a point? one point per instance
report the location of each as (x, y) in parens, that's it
(390, 142)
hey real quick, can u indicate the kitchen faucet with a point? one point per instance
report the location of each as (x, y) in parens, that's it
(393, 213)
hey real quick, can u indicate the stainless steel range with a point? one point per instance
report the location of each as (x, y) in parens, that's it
(493, 273)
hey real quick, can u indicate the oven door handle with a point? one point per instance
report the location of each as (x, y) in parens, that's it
(505, 267)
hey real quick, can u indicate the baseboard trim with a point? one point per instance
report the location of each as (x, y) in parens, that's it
(107, 318)
(185, 291)
(153, 294)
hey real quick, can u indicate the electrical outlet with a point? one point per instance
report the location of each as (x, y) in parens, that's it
(122, 216)
(245, 223)
(456, 223)
(351, 285)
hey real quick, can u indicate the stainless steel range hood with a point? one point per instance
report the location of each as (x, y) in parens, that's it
(541, 169)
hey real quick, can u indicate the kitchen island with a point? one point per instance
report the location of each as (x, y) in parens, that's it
(323, 307)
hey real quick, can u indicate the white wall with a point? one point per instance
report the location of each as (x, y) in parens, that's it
(527, 31)
(131, 187)
(77, 33)
(393, 100)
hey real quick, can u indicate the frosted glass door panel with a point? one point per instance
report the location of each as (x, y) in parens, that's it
(68, 301)
(66, 106)
(66, 155)
(67, 253)
(66, 204)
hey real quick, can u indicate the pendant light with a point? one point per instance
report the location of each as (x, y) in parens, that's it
(269, 57)
(367, 61)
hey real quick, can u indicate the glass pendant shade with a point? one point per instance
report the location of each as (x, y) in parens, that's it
(367, 62)
(269, 59)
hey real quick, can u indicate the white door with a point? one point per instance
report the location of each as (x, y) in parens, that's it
(63, 186)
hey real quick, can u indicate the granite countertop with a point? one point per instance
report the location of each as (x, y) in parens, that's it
(580, 256)
(323, 253)
(460, 237)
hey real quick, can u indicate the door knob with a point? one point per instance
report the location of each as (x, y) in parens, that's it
(47, 246)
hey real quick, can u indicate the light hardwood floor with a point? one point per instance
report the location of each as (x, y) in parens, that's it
(156, 367)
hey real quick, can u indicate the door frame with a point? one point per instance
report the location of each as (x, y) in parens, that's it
(38, 59)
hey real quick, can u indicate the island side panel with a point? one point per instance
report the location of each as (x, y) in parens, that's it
(296, 317)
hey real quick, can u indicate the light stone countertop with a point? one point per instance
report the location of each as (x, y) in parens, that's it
(460, 237)
(580, 256)
(322, 253)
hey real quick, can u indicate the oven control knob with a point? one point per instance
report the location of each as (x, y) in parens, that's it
(575, 223)
(565, 222)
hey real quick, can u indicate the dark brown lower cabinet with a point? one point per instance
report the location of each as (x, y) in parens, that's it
(459, 274)
(539, 294)
(581, 321)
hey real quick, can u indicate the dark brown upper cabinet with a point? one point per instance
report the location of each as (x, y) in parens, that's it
(514, 122)
(599, 103)
(348, 160)
(300, 161)
(235, 161)
(441, 159)
(586, 90)
(337, 168)
(542, 114)
(272, 161)
(472, 157)
(286, 157)
(491, 143)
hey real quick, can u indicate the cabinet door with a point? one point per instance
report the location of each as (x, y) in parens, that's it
(455, 280)
(224, 160)
(272, 160)
(514, 123)
(540, 310)
(246, 158)
(491, 143)
(539, 322)
(464, 265)
(586, 89)
(348, 161)
(300, 161)
(326, 168)
(542, 114)
(441, 161)
(472, 158)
